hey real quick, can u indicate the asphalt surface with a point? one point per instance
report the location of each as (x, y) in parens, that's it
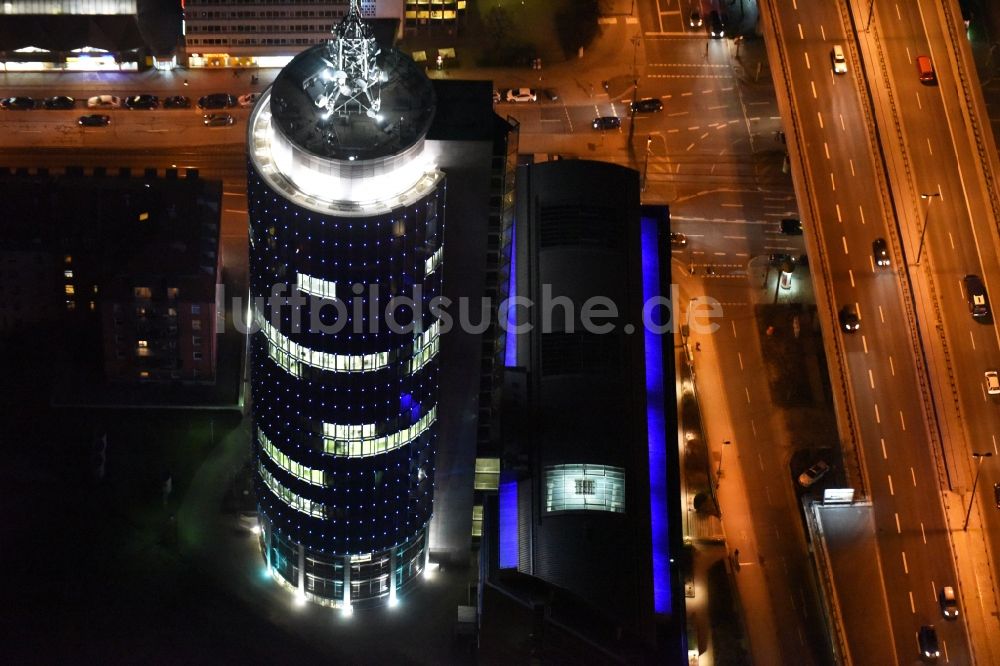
(910, 522)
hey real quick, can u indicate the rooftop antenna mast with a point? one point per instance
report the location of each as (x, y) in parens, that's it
(351, 80)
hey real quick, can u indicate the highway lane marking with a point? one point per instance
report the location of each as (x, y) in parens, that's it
(944, 644)
(995, 451)
(739, 357)
(760, 461)
(909, 58)
(822, 32)
(871, 378)
(899, 530)
(891, 491)
(226, 194)
(843, 125)
(902, 423)
(802, 639)
(844, 240)
(801, 34)
(851, 162)
(767, 491)
(881, 314)
(898, 15)
(686, 94)
(885, 456)
(795, 5)
(235, 210)
(971, 337)
(951, 240)
(747, 391)
(703, 135)
(733, 324)
(913, 608)
(808, 66)
(690, 147)
(929, 148)
(850, 272)
(892, 366)
(813, 85)
(833, 182)
(677, 113)
(871, 262)
(864, 342)
(924, 536)
(878, 419)
(913, 474)
(716, 108)
(819, 114)
(839, 218)
(826, 148)
(906, 567)
(919, 105)
(861, 210)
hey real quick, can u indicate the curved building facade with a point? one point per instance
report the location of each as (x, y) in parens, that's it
(346, 226)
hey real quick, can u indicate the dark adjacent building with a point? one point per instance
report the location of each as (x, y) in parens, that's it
(586, 516)
(123, 267)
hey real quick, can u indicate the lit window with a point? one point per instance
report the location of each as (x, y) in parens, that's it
(477, 520)
(71, 305)
(360, 440)
(68, 274)
(196, 324)
(68, 259)
(196, 356)
(172, 293)
(195, 341)
(70, 290)
(316, 286)
(95, 288)
(487, 473)
(143, 374)
(93, 305)
(143, 344)
(584, 488)
(143, 292)
(196, 309)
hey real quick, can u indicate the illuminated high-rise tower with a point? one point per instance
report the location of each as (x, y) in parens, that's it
(346, 213)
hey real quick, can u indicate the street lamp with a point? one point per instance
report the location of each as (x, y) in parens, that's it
(718, 472)
(972, 498)
(923, 232)
(645, 164)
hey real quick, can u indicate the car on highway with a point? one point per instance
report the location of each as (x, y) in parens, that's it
(975, 294)
(103, 102)
(694, 19)
(218, 119)
(778, 258)
(880, 252)
(816, 471)
(249, 99)
(849, 319)
(996, 494)
(648, 105)
(521, 95)
(59, 102)
(217, 101)
(142, 102)
(678, 239)
(948, 602)
(716, 26)
(839, 60)
(928, 641)
(17, 103)
(791, 227)
(925, 69)
(606, 122)
(551, 94)
(992, 382)
(94, 120)
(177, 102)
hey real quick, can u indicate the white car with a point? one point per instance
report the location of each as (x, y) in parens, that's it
(813, 474)
(992, 382)
(104, 102)
(839, 61)
(521, 95)
(249, 99)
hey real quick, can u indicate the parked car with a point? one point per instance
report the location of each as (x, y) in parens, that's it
(218, 119)
(880, 252)
(716, 26)
(217, 101)
(816, 472)
(142, 102)
(996, 494)
(948, 602)
(521, 95)
(59, 102)
(103, 102)
(177, 102)
(606, 122)
(694, 19)
(249, 99)
(678, 239)
(551, 94)
(649, 105)
(791, 226)
(849, 319)
(94, 120)
(992, 382)
(928, 642)
(17, 104)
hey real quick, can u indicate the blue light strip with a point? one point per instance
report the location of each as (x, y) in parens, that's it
(508, 525)
(655, 423)
(510, 350)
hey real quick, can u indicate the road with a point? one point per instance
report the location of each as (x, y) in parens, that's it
(842, 177)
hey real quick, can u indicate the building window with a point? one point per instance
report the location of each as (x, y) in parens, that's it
(487, 473)
(196, 356)
(584, 488)
(195, 341)
(70, 290)
(68, 259)
(142, 292)
(172, 293)
(142, 348)
(477, 520)
(70, 305)
(196, 309)
(361, 440)
(296, 469)
(68, 274)
(196, 324)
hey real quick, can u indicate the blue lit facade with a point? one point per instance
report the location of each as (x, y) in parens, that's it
(344, 401)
